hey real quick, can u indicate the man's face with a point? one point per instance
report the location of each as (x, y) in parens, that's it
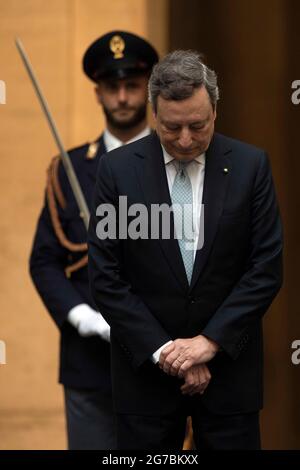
(185, 127)
(124, 101)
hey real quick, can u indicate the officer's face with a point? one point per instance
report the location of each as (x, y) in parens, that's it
(124, 101)
(185, 127)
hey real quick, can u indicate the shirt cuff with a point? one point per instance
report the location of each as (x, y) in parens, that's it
(156, 354)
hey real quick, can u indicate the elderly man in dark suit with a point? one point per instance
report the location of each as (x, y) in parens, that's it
(119, 63)
(185, 305)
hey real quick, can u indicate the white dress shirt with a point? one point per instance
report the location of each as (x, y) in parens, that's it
(111, 142)
(195, 171)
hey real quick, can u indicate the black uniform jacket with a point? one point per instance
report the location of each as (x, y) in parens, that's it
(84, 362)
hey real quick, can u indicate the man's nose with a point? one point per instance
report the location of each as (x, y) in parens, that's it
(122, 95)
(185, 138)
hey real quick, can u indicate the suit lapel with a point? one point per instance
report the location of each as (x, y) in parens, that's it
(217, 174)
(151, 173)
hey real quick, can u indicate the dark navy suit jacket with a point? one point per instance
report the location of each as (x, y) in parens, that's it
(140, 286)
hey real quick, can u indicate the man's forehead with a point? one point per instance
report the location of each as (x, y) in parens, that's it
(200, 97)
(185, 121)
(174, 111)
(122, 81)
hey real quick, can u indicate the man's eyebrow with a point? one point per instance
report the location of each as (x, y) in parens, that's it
(171, 123)
(200, 121)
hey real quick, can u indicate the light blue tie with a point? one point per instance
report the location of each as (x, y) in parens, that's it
(182, 202)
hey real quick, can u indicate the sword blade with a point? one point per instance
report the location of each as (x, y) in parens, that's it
(77, 191)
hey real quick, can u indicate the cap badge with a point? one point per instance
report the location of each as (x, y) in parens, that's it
(117, 46)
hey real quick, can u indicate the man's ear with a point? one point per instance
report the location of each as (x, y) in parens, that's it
(98, 93)
(215, 112)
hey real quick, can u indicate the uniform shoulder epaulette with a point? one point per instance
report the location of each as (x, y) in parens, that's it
(92, 150)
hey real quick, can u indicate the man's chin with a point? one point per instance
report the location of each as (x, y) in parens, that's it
(122, 116)
(185, 156)
(124, 120)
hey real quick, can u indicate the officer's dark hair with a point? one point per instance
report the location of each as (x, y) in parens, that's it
(178, 74)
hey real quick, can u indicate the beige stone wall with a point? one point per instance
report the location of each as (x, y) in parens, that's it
(55, 35)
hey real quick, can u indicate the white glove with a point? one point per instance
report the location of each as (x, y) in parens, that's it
(88, 322)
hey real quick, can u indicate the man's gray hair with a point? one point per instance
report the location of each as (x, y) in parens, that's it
(177, 76)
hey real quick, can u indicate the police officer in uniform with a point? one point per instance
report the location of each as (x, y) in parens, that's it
(119, 63)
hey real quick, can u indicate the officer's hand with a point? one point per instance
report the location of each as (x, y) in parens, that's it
(88, 322)
(197, 379)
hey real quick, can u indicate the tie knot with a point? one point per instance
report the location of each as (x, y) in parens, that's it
(182, 168)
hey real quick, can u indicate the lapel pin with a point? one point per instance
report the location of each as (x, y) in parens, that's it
(225, 170)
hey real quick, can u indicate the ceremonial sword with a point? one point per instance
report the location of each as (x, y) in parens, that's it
(77, 191)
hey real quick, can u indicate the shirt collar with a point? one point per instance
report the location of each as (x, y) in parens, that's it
(168, 158)
(111, 142)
